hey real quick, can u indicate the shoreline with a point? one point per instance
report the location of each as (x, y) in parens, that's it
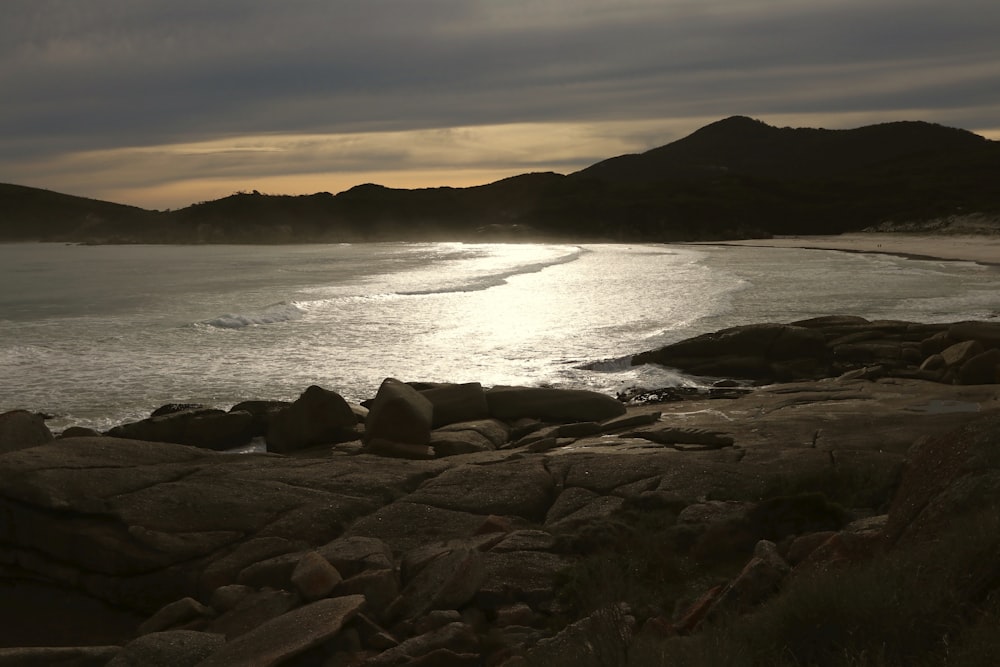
(981, 249)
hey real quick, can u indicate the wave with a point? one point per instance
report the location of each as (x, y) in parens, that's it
(279, 312)
(485, 282)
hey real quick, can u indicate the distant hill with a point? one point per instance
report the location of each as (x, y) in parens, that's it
(734, 178)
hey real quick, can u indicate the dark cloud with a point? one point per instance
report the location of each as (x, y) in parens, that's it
(113, 73)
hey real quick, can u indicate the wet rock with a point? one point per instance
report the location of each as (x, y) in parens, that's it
(198, 427)
(457, 403)
(556, 405)
(670, 435)
(986, 334)
(981, 369)
(959, 353)
(20, 429)
(398, 414)
(79, 432)
(317, 417)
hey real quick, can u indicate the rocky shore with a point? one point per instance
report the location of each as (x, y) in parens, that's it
(463, 525)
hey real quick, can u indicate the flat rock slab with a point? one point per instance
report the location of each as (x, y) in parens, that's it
(288, 635)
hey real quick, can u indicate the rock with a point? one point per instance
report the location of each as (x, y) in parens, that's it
(452, 443)
(177, 648)
(351, 555)
(317, 417)
(173, 408)
(986, 334)
(959, 353)
(519, 576)
(252, 611)
(494, 430)
(379, 587)
(557, 405)
(79, 432)
(457, 403)
(274, 572)
(981, 369)
(602, 638)
(842, 549)
(670, 435)
(946, 477)
(747, 352)
(227, 597)
(314, 577)
(936, 344)
(20, 429)
(514, 487)
(454, 644)
(398, 414)
(58, 656)
(626, 422)
(757, 581)
(447, 582)
(261, 411)
(226, 569)
(176, 614)
(198, 427)
(803, 545)
(399, 450)
(288, 635)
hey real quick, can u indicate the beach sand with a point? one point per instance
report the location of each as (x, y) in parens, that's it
(972, 248)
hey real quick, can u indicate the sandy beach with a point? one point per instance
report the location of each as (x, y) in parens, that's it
(972, 248)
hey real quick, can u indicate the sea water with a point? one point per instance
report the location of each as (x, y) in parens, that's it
(99, 335)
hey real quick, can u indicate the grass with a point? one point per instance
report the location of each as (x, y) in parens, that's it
(935, 603)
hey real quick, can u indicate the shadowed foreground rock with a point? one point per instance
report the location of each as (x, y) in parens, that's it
(335, 555)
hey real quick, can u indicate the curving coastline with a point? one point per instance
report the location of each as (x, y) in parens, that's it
(978, 248)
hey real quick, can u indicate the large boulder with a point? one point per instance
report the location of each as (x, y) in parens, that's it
(398, 414)
(208, 428)
(319, 416)
(557, 405)
(986, 334)
(288, 635)
(945, 477)
(20, 429)
(762, 352)
(457, 403)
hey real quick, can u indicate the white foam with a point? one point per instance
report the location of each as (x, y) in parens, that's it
(273, 314)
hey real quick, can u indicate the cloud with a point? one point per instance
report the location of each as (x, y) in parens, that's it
(129, 79)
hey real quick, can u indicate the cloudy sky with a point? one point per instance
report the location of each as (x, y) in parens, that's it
(162, 103)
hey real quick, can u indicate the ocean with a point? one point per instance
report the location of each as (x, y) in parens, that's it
(99, 335)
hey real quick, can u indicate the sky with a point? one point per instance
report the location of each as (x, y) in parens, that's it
(164, 103)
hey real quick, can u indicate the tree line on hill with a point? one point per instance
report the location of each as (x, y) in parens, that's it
(735, 178)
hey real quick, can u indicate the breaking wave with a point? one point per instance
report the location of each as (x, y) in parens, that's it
(485, 282)
(273, 314)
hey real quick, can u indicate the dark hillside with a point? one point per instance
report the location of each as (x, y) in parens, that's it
(31, 214)
(735, 178)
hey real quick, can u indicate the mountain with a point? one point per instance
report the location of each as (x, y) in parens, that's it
(737, 177)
